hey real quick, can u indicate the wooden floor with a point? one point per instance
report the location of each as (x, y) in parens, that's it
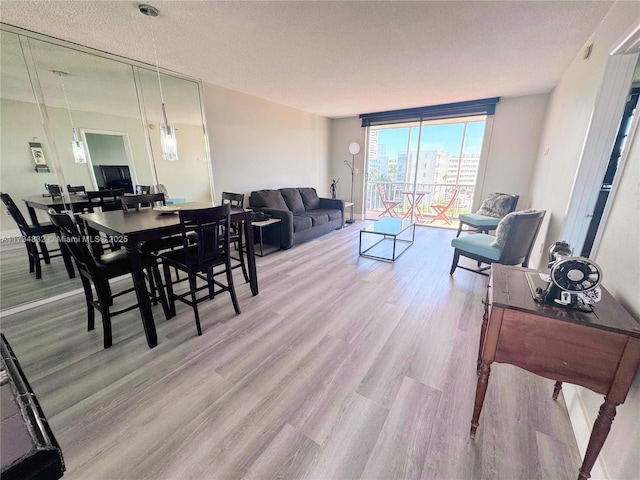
(18, 286)
(342, 368)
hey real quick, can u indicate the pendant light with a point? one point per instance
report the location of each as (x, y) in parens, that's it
(168, 139)
(77, 146)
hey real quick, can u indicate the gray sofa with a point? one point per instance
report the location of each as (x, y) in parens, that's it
(303, 214)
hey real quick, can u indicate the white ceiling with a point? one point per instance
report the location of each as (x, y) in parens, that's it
(337, 58)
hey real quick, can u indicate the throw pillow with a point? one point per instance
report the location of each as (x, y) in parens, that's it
(502, 231)
(310, 198)
(293, 199)
(268, 198)
(496, 205)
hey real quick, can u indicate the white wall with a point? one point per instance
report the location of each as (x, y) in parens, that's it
(343, 132)
(257, 144)
(513, 148)
(569, 115)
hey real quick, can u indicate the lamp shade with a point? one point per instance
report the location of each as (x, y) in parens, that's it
(354, 148)
(168, 142)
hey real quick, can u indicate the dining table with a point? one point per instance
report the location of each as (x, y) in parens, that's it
(44, 202)
(133, 227)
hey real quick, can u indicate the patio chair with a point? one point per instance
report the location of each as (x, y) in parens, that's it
(442, 209)
(389, 205)
(511, 245)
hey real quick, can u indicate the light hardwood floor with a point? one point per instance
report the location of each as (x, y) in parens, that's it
(342, 368)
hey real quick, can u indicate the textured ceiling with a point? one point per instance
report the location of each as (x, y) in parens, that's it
(337, 59)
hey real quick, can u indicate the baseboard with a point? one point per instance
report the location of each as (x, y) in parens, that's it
(582, 425)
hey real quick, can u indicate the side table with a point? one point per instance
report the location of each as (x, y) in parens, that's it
(260, 226)
(598, 350)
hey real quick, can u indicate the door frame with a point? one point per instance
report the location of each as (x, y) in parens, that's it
(127, 151)
(599, 140)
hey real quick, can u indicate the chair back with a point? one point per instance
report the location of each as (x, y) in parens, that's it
(520, 238)
(68, 235)
(382, 192)
(234, 199)
(454, 197)
(211, 226)
(75, 190)
(15, 213)
(143, 189)
(54, 190)
(137, 201)
(107, 200)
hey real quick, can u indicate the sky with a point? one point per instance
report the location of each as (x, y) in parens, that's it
(445, 138)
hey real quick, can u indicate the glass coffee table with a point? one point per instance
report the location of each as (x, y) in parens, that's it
(387, 239)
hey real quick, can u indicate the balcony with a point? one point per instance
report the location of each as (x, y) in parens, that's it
(427, 194)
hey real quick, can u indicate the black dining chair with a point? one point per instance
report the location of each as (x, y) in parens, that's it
(76, 190)
(106, 200)
(97, 271)
(211, 227)
(34, 240)
(141, 201)
(235, 237)
(53, 190)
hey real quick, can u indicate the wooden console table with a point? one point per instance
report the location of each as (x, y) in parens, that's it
(598, 350)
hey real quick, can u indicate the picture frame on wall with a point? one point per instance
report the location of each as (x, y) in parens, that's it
(38, 157)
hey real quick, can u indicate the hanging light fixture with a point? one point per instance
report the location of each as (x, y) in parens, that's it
(77, 146)
(168, 139)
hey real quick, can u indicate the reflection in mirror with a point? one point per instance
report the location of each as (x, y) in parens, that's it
(188, 178)
(102, 101)
(115, 107)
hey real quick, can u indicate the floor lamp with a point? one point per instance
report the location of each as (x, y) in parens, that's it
(354, 148)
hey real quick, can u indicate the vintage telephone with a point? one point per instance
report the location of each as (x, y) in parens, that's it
(573, 281)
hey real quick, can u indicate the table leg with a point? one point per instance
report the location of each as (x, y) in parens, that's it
(251, 254)
(483, 333)
(556, 390)
(599, 434)
(33, 216)
(481, 391)
(140, 286)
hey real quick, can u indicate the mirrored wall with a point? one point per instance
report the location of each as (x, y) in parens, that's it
(48, 87)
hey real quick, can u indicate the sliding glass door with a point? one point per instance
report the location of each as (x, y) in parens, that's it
(425, 170)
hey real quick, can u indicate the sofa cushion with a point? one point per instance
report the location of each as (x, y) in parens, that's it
(318, 217)
(293, 199)
(301, 222)
(268, 198)
(310, 198)
(332, 213)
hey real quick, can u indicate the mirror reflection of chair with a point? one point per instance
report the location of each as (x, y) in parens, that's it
(76, 190)
(106, 200)
(235, 237)
(98, 271)
(54, 190)
(492, 210)
(389, 205)
(143, 200)
(442, 209)
(34, 240)
(511, 245)
(143, 189)
(212, 229)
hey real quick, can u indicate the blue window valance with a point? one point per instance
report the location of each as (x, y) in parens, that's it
(485, 106)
